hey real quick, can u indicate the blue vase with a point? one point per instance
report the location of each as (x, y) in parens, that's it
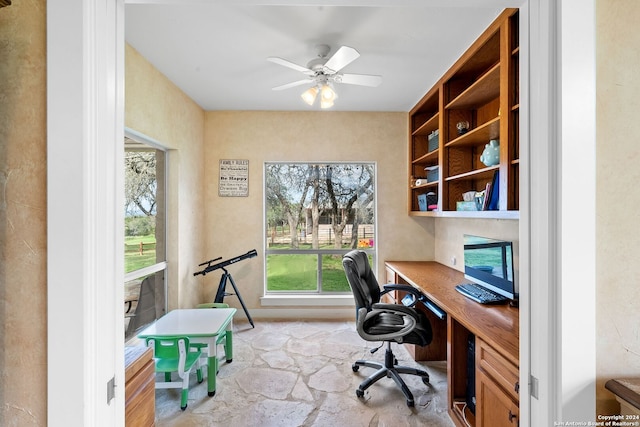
(491, 154)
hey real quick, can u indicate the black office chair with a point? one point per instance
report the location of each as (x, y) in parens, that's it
(377, 321)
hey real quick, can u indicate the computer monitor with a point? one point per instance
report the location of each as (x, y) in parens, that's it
(489, 263)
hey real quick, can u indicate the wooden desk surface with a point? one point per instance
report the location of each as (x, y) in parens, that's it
(498, 325)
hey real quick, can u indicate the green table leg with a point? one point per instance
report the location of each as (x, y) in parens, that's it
(212, 369)
(228, 346)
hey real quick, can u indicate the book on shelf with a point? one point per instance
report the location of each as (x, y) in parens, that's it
(487, 196)
(494, 196)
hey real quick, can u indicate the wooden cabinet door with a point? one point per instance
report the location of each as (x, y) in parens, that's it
(495, 407)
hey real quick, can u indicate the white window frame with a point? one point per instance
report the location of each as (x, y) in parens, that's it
(162, 265)
(285, 298)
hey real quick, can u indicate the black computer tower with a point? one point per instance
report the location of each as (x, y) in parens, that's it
(471, 373)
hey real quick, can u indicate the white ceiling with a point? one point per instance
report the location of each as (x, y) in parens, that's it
(215, 51)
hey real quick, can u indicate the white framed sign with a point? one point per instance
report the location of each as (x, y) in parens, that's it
(234, 178)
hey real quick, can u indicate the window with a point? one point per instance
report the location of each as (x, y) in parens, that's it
(145, 233)
(314, 214)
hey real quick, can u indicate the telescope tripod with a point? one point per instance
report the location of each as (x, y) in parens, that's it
(221, 293)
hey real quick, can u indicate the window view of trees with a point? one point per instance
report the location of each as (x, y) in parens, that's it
(316, 212)
(145, 255)
(141, 207)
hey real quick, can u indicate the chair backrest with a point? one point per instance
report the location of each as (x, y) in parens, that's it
(145, 312)
(362, 281)
(213, 305)
(170, 349)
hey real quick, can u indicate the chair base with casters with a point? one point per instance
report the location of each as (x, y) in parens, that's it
(172, 354)
(377, 321)
(389, 369)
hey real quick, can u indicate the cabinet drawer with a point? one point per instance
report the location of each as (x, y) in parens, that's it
(498, 368)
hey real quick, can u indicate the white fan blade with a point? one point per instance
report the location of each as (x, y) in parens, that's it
(343, 57)
(293, 84)
(359, 79)
(290, 64)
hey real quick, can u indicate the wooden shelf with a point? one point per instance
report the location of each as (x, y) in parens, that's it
(481, 88)
(429, 126)
(482, 91)
(478, 136)
(484, 173)
(469, 214)
(427, 185)
(430, 156)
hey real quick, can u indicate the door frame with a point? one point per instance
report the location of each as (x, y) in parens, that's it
(85, 44)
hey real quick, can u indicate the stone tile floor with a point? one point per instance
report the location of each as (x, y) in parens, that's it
(299, 374)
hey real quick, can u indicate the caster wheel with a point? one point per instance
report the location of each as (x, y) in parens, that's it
(355, 368)
(211, 393)
(410, 403)
(425, 380)
(183, 407)
(359, 393)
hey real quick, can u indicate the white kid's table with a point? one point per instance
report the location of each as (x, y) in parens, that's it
(200, 325)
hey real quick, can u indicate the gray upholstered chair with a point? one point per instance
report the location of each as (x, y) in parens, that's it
(376, 321)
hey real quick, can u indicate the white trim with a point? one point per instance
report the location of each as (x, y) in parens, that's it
(524, 283)
(144, 139)
(299, 314)
(145, 271)
(577, 320)
(85, 258)
(543, 214)
(306, 300)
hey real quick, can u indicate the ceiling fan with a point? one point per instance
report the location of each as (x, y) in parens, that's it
(323, 72)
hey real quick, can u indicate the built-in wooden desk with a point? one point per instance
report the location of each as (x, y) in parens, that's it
(495, 335)
(139, 389)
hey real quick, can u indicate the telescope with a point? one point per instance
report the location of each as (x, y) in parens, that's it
(252, 253)
(226, 276)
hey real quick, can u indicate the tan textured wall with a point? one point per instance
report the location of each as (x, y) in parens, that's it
(234, 225)
(155, 107)
(618, 195)
(23, 213)
(449, 241)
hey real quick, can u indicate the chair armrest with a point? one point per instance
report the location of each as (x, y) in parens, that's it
(408, 316)
(419, 297)
(405, 288)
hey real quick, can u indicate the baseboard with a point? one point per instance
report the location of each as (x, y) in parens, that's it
(298, 314)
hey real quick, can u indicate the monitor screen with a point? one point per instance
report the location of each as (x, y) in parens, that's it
(489, 263)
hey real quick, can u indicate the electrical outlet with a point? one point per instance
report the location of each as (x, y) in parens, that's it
(453, 260)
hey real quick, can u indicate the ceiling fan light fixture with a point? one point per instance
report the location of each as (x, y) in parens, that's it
(327, 96)
(327, 93)
(323, 72)
(325, 104)
(309, 95)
